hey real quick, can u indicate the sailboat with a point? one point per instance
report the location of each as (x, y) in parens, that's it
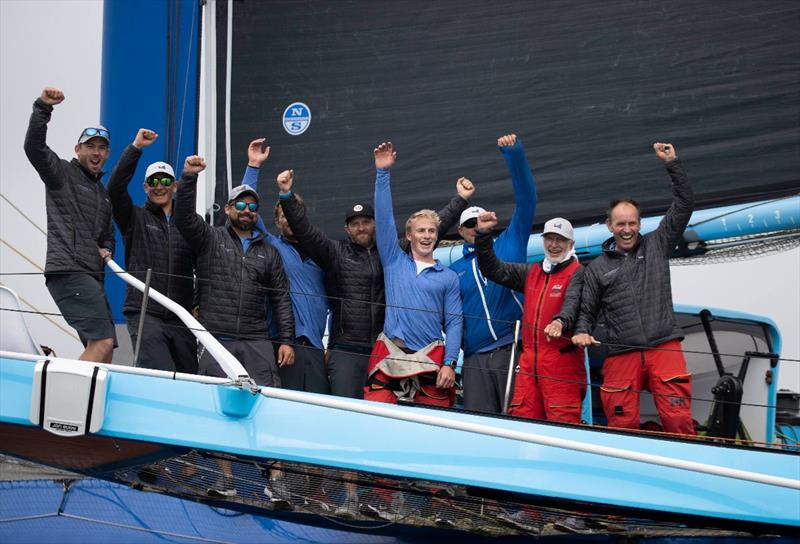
(449, 472)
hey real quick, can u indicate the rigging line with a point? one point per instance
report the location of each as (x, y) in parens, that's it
(228, 78)
(4, 197)
(484, 371)
(142, 529)
(195, 9)
(18, 252)
(740, 210)
(43, 314)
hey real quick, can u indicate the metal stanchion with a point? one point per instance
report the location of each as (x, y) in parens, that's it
(145, 295)
(511, 369)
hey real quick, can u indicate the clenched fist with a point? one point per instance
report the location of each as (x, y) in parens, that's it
(144, 138)
(285, 180)
(665, 152)
(194, 164)
(465, 188)
(52, 96)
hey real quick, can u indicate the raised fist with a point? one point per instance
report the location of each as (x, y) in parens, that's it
(285, 180)
(465, 188)
(486, 221)
(52, 96)
(385, 155)
(194, 164)
(665, 152)
(144, 138)
(507, 141)
(257, 152)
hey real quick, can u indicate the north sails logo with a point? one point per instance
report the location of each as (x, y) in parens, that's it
(65, 427)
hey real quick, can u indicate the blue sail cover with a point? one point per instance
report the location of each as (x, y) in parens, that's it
(589, 86)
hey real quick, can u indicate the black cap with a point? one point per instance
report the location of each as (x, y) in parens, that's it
(359, 210)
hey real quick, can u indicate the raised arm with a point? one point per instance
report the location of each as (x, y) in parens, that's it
(257, 153)
(511, 275)
(450, 214)
(48, 165)
(191, 226)
(385, 227)
(121, 202)
(524, 191)
(674, 222)
(312, 240)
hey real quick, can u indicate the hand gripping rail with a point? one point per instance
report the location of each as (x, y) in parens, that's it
(229, 364)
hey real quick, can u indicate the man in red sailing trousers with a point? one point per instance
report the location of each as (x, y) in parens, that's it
(550, 383)
(629, 287)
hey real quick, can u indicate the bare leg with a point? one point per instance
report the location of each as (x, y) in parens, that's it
(98, 351)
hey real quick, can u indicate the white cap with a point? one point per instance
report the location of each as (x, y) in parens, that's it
(470, 213)
(559, 226)
(159, 167)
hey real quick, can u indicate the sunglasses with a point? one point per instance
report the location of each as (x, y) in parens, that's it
(470, 223)
(103, 133)
(165, 181)
(242, 206)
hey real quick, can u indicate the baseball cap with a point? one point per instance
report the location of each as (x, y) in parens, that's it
(159, 168)
(560, 226)
(359, 210)
(98, 131)
(238, 192)
(470, 213)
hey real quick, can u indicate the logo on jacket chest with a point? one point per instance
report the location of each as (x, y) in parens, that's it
(557, 290)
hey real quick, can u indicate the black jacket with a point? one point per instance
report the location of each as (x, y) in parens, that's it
(233, 286)
(78, 207)
(353, 274)
(514, 276)
(150, 242)
(631, 294)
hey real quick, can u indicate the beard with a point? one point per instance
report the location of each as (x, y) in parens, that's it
(237, 222)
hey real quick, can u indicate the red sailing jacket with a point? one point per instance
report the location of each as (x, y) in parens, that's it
(544, 295)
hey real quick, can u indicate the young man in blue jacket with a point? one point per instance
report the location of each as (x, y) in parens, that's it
(489, 308)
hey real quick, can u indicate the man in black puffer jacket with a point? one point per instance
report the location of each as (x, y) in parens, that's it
(152, 241)
(238, 273)
(354, 281)
(79, 229)
(628, 289)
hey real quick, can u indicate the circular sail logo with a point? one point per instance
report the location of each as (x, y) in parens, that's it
(296, 118)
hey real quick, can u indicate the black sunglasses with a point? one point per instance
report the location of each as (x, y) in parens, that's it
(470, 223)
(241, 206)
(165, 181)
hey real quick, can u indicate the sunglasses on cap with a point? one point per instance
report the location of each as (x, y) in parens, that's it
(165, 181)
(92, 132)
(470, 223)
(242, 206)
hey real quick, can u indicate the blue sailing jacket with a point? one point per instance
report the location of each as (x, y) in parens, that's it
(306, 281)
(490, 309)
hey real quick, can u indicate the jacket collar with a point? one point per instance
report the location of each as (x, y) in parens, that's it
(561, 266)
(93, 177)
(610, 247)
(467, 249)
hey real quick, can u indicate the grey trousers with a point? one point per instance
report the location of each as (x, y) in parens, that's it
(484, 380)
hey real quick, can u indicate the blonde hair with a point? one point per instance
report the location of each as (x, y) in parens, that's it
(423, 214)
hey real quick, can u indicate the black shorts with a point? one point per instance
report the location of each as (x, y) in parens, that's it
(82, 302)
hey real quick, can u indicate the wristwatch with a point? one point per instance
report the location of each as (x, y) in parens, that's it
(451, 364)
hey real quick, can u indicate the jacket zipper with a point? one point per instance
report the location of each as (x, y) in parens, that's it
(169, 264)
(536, 329)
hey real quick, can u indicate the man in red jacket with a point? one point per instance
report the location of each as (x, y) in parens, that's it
(550, 383)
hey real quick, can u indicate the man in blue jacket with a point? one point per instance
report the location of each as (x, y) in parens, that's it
(489, 308)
